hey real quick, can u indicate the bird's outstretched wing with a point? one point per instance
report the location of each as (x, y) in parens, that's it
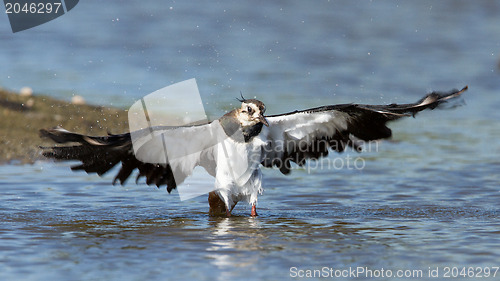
(191, 145)
(309, 134)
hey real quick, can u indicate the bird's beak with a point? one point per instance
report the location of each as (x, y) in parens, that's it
(263, 120)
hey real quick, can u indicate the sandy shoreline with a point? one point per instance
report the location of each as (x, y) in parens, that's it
(22, 116)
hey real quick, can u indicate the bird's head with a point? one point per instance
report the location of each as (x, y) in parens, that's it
(251, 113)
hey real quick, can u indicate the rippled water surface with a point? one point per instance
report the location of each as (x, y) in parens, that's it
(76, 227)
(428, 198)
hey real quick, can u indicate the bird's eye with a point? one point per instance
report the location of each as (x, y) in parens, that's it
(249, 109)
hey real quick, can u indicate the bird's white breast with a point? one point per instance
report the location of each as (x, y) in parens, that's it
(238, 175)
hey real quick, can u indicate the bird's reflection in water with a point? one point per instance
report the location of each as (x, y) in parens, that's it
(233, 242)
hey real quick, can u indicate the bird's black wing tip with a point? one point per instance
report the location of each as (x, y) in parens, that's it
(456, 93)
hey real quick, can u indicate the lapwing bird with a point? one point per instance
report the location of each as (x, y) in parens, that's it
(234, 147)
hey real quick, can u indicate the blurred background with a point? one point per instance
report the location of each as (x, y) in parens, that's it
(427, 198)
(299, 52)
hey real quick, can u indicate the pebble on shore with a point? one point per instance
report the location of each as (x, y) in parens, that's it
(76, 99)
(26, 92)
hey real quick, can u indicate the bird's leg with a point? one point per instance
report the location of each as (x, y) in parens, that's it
(254, 211)
(228, 211)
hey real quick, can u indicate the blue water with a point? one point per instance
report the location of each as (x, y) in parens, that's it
(426, 199)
